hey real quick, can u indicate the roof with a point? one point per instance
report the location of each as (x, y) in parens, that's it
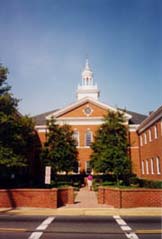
(151, 119)
(42, 118)
(137, 118)
(83, 101)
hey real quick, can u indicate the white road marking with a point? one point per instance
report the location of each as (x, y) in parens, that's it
(131, 235)
(124, 226)
(45, 223)
(121, 222)
(35, 235)
(42, 227)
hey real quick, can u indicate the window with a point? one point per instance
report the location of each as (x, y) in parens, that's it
(141, 140)
(152, 166)
(145, 138)
(147, 167)
(87, 167)
(88, 138)
(150, 135)
(143, 167)
(155, 131)
(158, 165)
(76, 137)
(79, 166)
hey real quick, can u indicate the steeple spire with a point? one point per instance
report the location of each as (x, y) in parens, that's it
(87, 88)
(87, 75)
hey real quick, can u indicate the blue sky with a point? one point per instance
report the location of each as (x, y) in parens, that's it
(44, 43)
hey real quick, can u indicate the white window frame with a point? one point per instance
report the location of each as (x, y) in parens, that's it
(155, 131)
(91, 135)
(87, 167)
(150, 135)
(158, 165)
(141, 140)
(143, 167)
(147, 166)
(145, 138)
(76, 137)
(152, 165)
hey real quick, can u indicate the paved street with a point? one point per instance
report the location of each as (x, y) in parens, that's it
(79, 227)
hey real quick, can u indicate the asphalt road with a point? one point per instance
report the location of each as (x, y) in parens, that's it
(79, 227)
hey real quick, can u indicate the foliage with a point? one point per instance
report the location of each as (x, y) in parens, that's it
(17, 135)
(60, 150)
(110, 147)
(149, 183)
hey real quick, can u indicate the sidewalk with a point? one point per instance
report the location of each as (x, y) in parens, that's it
(86, 199)
(86, 205)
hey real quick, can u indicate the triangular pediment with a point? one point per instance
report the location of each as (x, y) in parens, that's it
(86, 107)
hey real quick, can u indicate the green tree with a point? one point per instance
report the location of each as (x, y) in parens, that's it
(60, 150)
(110, 147)
(17, 135)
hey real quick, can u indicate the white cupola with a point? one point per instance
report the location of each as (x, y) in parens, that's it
(87, 88)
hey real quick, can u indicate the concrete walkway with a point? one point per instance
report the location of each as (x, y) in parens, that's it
(86, 199)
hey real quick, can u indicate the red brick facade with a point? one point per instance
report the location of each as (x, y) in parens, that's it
(129, 198)
(43, 198)
(150, 143)
(86, 115)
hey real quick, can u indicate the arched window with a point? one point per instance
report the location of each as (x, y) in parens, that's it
(76, 137)
(88, 138)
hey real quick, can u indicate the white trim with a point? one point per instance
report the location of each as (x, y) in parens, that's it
(83, 121)
(83, 101)
(150, 123)
(77, 138)
(145, 138)
(141, 140)
(155, 131)
(143, 167)
(85, 139)
(158, 165)
(150, 135)
(133, 147)
(40, 126)
(147, 166)
(152, 165)
(42, 130)
(133, 127)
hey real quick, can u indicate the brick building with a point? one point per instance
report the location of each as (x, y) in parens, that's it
(85, 115)
(150, 145)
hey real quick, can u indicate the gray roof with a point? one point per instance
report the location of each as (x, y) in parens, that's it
(151, 119)
(41, 118)
(136, 117)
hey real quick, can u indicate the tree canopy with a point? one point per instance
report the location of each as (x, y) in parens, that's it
(17, 136)
(110, 147)
(60, 150)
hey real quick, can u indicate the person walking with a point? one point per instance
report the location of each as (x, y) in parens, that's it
(89, 181)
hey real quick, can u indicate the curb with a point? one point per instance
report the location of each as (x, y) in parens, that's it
(82, 211)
